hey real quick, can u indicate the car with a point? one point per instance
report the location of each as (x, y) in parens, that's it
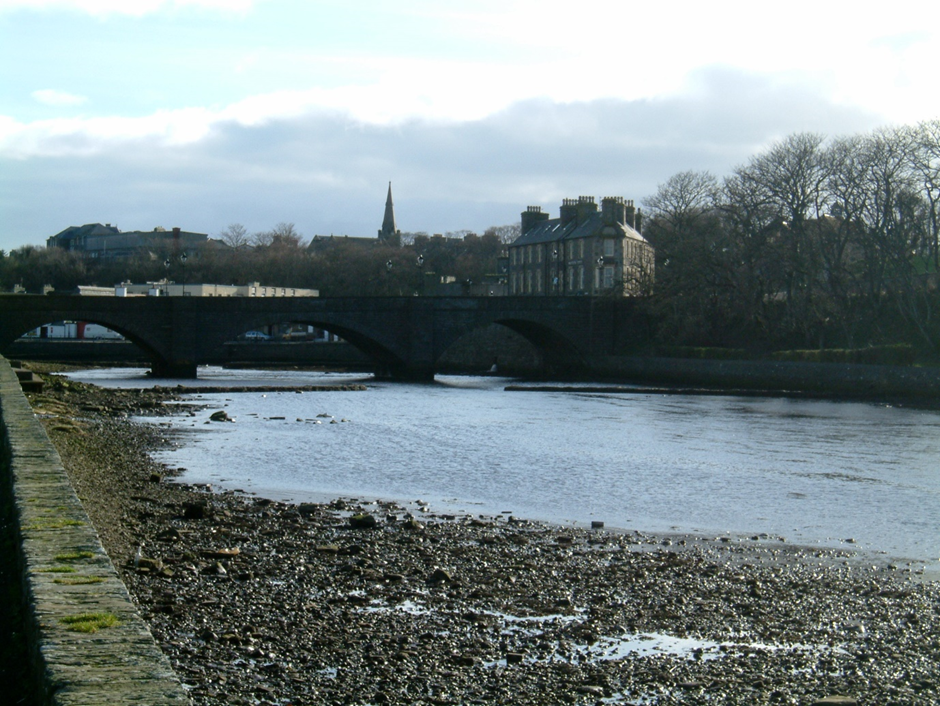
(255, 336)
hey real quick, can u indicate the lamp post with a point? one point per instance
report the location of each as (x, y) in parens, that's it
(600, 270)
(167, 264)
(388, 277)
(183, 259)
(420, 263)
(554, 270)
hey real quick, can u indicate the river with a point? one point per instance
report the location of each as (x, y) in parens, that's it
(856, 474)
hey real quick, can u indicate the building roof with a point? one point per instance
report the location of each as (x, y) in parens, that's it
(320, 242)
(98, 230)
(553, 230)
(73, 232)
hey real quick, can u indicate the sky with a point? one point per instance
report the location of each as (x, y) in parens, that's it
(204, 113)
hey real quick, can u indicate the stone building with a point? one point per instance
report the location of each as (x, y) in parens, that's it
(95, 240)
(582, 252)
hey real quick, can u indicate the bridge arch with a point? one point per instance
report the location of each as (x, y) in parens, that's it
(17, 326)
(387, 362)
(560, 355)
(553, 352)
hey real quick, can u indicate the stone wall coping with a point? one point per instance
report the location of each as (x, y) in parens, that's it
(120, 664)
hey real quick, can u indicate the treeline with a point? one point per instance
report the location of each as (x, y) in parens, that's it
(278, 257)
(814, 243)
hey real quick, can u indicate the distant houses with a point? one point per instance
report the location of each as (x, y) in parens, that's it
(587, 251)
(94, 240)
(582, 252)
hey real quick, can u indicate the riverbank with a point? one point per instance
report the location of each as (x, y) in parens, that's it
(347, 602)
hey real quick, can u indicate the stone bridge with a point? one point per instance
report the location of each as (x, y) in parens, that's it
(405, 336)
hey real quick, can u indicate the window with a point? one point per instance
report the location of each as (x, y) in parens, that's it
(581, 274)
(609, 247)
(608, 276)
(581, 248)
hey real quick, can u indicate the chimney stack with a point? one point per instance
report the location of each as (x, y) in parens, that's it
(531, 217)
(569, 211)
(613, 210)
(630, 214)
(586, 207)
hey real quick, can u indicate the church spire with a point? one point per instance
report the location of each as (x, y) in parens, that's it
(388, 223)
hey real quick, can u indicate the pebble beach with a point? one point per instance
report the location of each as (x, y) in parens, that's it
(370, 602)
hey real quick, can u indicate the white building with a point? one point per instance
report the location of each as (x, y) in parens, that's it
(172, 289)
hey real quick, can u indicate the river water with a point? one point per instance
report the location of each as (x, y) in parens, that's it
(815, 472)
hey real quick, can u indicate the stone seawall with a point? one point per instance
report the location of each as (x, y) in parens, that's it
(87, 644)
(837, 380)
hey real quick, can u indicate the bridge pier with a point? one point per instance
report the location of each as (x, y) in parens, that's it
(415, 373)
(180, 369)
(404, 373)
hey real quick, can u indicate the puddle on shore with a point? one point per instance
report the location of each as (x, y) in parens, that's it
(605, 648)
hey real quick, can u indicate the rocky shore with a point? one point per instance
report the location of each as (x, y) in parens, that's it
(259, 602)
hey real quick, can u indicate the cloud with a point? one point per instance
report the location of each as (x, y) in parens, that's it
(65, 137)
(327, 172)
(50, 96)
(716, 99)
(134, 8)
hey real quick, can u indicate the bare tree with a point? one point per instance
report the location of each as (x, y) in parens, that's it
(282, 236)
(682, 200)
(285, 235)
(924, 155)
(788, 182)
(694, 287)
(507, 233)
(235, 236)
(262, 239)
(841, 236)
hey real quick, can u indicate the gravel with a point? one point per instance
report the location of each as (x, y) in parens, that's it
(354, 602)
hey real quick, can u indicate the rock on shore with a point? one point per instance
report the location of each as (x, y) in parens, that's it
(259, 602)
